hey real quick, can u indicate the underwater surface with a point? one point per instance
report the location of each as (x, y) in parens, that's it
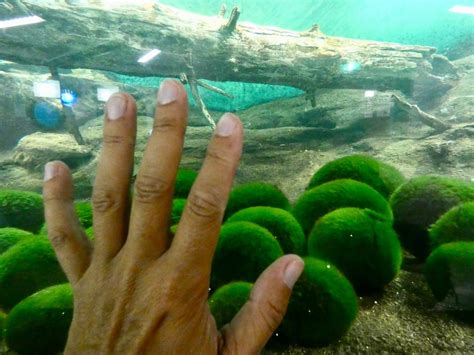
(358, 156)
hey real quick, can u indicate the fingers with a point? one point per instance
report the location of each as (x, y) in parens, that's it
(70, 244)
(111, 188)
(253, 326)
(196, 237)
(154, 186)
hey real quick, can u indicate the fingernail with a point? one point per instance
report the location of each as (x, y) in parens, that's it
(116, 107)
(50, 171)
(226, 125)
(168, 92)
(293, 272)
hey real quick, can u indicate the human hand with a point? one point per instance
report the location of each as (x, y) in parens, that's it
(137, 291)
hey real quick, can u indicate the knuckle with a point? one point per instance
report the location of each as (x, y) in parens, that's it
(218, 155)
(205, 204)
(58, 237)
(148, 189)
(104, 200)
(113, 139)
(167, 123)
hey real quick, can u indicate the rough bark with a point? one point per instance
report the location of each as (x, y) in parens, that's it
(101, 38)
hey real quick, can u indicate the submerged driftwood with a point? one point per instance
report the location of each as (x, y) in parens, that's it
(98, 37)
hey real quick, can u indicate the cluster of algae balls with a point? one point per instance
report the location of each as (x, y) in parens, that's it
(349, 225)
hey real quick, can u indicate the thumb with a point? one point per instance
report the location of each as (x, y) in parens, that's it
(255, 323)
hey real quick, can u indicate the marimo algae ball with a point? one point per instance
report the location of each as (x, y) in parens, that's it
(455, 225)
(361, 244)
(317, 202)
(284, 227)
(39, 324)
(322, 307)
(11, 236)
(21, 209)
(26, 268)
(227, 301)
(449, 272)
(382, 177)
(256, 194)
(419, 203)
(243, 252)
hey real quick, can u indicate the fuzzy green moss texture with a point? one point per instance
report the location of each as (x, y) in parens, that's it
(455, 225)
(227, 301)
(317, 202)
(361, 244)
(21, 209)
(449, 269)
(11, 236)
(26, 268)
(184, 181)
(40, 323)
(284, 227)
(420, 202)
(322, 307)
(243, 252)
(256, 194)
(177, 210)
(382, 177)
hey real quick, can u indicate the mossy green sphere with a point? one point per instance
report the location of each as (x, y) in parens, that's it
(177, 209)
(455, 225)
(39, 324)
(361, 244)
(322, 307)
(420, 202)
(256, 194)
(317, 202)
(21, 209)
(243, 252)
(11, 236)
(284, 227)
(26, 268)
(382, 177)
(184, 181)
(227, 301)
(449, 270)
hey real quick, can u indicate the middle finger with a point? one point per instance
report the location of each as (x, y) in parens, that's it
(154, 186)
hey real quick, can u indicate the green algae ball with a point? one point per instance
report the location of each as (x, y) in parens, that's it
(27, 267)
(382, 177)
(317, 202)
(243, 252)
(177, 210)
(11, 236)
(256, 194)
(455, 225)
(21, 209)
(449, 271)
(420, 202)
(360, 243)
(227, 301)
(39, 324)
(284, 227)
(322, 307)
(184, 181)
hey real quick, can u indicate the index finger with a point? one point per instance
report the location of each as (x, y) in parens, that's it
(195, 240)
